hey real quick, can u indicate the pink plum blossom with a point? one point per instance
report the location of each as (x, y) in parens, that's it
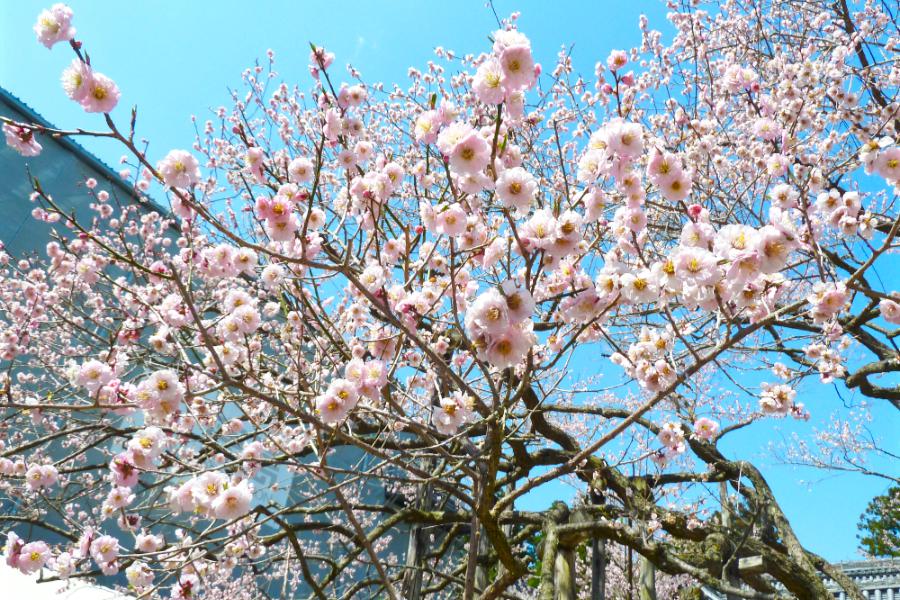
(470, 154)
(33, 556)
(705, 429)
(101, 94)
(179, 169)
(234, 502)
(54, 25)
(21, 139)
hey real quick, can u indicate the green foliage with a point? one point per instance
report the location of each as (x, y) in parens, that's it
(582, 552)
(690, 593)
(880, 525)
(533, 559)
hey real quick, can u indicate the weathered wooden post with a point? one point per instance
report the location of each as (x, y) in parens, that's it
(564, 574)
(598, 557)
(558, 562)
(646, 579)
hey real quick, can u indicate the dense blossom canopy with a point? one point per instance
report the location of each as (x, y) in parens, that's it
(364, 286)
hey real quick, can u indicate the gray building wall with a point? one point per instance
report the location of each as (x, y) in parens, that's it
(62, 167)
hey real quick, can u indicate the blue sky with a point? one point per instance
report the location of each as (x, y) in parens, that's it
(175, 59)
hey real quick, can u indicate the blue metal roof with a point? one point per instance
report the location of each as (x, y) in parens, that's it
(82, 154)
